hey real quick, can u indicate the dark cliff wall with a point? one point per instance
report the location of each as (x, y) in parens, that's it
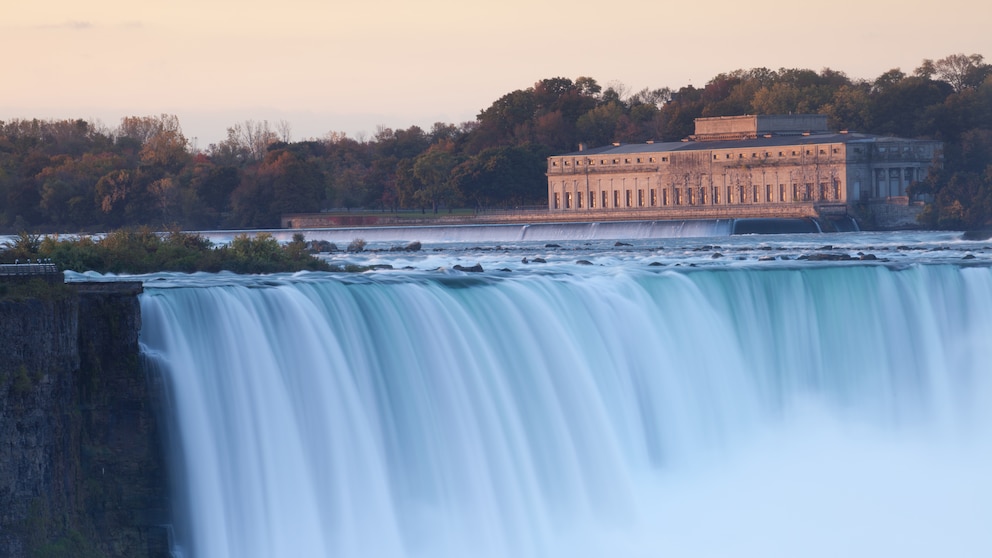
(39, 348)
(81, 467)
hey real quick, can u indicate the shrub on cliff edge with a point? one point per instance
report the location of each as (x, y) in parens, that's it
(145, 251)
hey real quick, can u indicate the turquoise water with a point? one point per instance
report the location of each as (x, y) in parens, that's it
(729, 406)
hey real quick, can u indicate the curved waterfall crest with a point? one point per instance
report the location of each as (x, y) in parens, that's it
(620, 413)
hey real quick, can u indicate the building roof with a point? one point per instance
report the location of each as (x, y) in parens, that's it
(756, 143)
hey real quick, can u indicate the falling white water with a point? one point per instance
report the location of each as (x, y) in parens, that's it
(819, 411)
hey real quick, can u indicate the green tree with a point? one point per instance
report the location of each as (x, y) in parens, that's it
(504, 176)
(962, 71)
(964, 202)
(402, 144)
(850, 108)
(599, 125)
(347, 167)
(297, 184)
(506, 114)
(779, 98)
(433, 170)
(899, 104)
(25, 247)
(588, 86)
(212, 185)
(251, 204)
(677, 118)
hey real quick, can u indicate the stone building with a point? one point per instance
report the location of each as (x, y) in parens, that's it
(767, 163)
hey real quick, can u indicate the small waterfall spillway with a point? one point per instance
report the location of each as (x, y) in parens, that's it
(506, 232)
(817, 411)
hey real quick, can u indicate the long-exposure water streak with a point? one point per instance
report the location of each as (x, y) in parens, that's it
(794, 409)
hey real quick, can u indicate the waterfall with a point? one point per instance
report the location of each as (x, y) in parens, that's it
(816, 411)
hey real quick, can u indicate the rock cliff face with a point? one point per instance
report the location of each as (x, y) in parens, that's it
(81, 465)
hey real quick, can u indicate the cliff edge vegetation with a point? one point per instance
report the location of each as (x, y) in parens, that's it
(142, 250)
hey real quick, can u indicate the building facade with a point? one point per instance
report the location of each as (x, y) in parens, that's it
(772, 161)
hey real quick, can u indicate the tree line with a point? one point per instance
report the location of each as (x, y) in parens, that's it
(78, 176)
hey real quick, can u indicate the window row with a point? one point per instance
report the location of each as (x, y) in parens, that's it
(768, 154)
(716, 156)
(612, 161)
(675, 196)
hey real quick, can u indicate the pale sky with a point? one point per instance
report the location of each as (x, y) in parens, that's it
(353, 65)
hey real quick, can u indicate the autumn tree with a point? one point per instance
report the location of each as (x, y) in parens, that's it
(142, 171)
(285, 182)
(142, 128)
(113, 193)
(67, 188)
(165, 150)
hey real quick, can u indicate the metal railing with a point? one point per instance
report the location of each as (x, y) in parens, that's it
(42, 269)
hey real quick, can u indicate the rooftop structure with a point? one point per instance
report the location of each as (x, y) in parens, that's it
(753, 126)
